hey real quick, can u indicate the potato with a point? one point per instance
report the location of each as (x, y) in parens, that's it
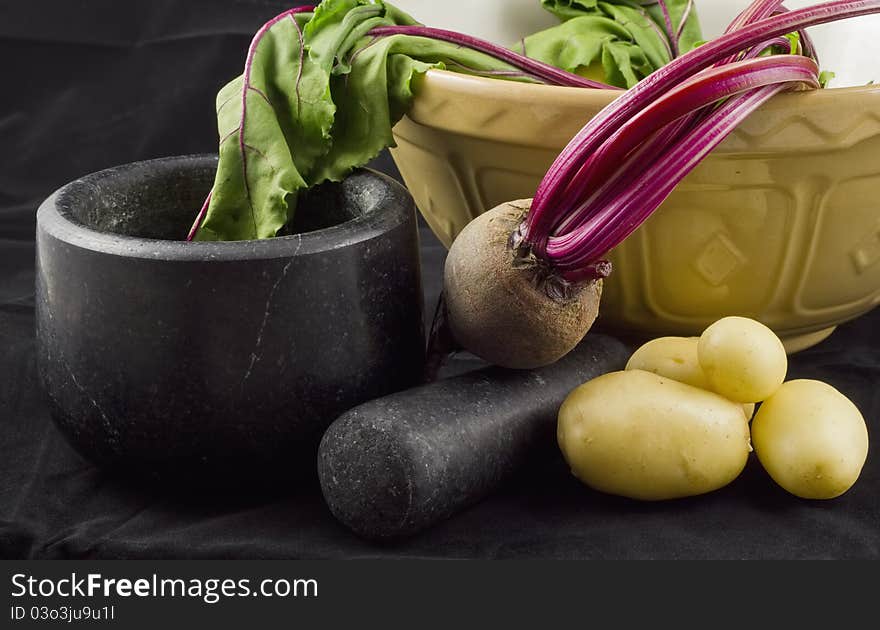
(676, 358)
(671, 357)
(811, 439)
(642, 436)
(743, 359)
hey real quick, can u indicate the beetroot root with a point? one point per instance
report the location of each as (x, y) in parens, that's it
(506, 309)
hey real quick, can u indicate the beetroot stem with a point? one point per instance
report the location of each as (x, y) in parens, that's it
(685, 16)
(537, 69)
(200, 217)
(574, 262)
(555, 197)
(702, 90)
(670, 30)
(765, 8)
(639, 160)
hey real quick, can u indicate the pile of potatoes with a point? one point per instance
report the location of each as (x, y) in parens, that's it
(675, 423)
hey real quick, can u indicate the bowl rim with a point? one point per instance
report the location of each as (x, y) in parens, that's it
(460, 82)
(547, 116)
(55, 221)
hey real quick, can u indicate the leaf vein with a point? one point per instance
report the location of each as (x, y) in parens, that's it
(253, 88)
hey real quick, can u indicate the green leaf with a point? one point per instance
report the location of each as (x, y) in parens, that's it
(624, 64)
(264, 156)
(378, 91)
(575, 43)
(318, 98)
(647, 34)
(630, 39)
(568, 9)
(826, 76)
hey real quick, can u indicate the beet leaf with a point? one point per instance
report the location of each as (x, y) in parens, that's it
(621, 39)
(319, 95)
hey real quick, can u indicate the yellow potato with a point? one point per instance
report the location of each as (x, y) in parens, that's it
(671, 357)
(811, 439)
(743, 359)
(676, 358)
(642, 436)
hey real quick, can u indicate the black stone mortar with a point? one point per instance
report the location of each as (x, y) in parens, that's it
(220, 360)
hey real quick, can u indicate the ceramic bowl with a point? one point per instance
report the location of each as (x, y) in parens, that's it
(780, 223)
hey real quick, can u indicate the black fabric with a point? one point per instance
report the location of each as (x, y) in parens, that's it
(90, 85)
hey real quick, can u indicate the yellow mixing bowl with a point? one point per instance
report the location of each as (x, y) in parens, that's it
(780, 223)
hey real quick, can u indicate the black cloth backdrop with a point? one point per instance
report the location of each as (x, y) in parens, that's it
(91, 84)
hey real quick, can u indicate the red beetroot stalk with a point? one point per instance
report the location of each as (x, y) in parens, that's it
(670, 30)
(809, 49)
(640, 159)
(776, 42)
(684, 18)
(754, 12)
(618, 218)
(558, 193)
(707, 87)
(703, 89)
(764, 9)
(655, 145)
(200, 217)
(655, 184)
(758, 10)
(252, 50)
(537, 69)
(670, 134)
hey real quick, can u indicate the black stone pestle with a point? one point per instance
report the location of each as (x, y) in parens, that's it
(398, 464)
